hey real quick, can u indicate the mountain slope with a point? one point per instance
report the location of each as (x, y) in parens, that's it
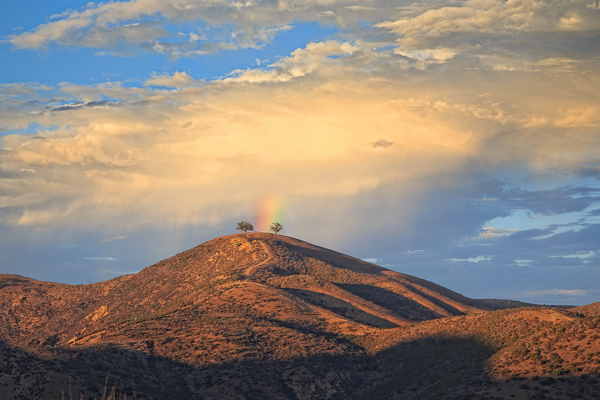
(303, 279)
(268, 316)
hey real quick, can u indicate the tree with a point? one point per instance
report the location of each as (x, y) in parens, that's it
(276, 227)
(244, 226)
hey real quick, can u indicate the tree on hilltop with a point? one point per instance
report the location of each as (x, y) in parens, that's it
(244, 226)
(276, 227)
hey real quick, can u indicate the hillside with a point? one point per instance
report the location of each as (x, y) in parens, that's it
(590, 309)
(268, 316)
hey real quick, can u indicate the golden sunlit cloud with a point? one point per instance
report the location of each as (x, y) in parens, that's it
(306, 126)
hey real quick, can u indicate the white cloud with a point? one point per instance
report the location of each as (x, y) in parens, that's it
(300, 63)
(582, 255)
(556, 292)
(475, 260)
(177, 80)
(523, 263)
(414, 251)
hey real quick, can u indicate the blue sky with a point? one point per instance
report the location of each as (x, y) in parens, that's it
(457, 141)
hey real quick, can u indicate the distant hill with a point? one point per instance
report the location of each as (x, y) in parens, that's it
(268, 316)
(590, 309)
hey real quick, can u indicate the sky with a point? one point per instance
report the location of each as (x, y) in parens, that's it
(457, 141)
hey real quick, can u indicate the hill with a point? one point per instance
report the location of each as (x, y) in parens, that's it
(268, 316)
(590, 309)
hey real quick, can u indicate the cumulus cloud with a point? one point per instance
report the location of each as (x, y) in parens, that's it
(300, 63)
(118, 154)
(494, 16)
(501, 34)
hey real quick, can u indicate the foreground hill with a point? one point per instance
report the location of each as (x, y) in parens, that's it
(258, 273)
(268, 316)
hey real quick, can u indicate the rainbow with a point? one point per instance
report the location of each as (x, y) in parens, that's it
(269, 210)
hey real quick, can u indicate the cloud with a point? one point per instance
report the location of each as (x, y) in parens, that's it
(523, 263)
(305, 115)
(588, 116)
(125, 26)
(177, 80)
(416, 134)
(117, 237)
(491, 232)
(475, 260)
(382, 143)
(493, 16)
(556, 292)
(582, 255)
(300, 63)
(71, 107)
(594, 5)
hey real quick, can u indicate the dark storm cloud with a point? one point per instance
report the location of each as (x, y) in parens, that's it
(91, 104)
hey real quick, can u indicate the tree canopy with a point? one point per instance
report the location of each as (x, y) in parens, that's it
(276, 227)
(244, 226)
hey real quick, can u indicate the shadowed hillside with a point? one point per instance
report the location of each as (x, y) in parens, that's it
(268, 316)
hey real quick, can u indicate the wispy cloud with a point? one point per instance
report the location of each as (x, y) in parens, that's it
(382, 143)
(117, 237)
(120, 27)
(581, 255)
(100, 258)
(491, 232)
(556, 292)
(475, 260)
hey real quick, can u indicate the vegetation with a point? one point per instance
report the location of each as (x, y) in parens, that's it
(244, 226)
(276, 227)
(261, 316)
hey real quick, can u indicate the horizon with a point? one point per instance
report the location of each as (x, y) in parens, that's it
(245, 234)
(458, 142)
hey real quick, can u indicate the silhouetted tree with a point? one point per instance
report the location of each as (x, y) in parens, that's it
(244, 226)
(276, 227)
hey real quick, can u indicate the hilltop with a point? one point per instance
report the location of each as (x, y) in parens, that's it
(268, 316)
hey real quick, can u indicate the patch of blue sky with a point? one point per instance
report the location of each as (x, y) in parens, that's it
(524, 220)
(219, 65)
(88, 66)
(32, 129)
(23, 15)
(82, 66)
